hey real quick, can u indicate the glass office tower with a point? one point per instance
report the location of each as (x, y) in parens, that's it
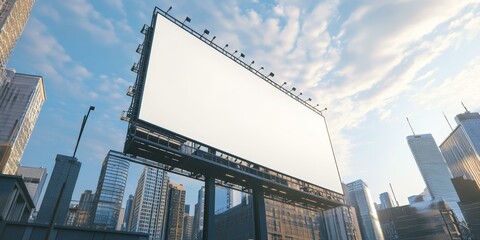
(434, 170)
(358, 196)
(461, 149)
(386, 200)
(128, 210)
(110, 189)
(198, 215)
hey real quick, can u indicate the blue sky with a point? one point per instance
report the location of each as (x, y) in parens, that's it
(372, 63)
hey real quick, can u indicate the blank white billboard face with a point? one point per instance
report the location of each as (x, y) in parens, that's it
(195, 91)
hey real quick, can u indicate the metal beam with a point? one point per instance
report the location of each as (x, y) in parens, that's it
(209, 212)
(259, 214)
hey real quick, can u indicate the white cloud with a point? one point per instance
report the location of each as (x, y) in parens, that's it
(52, 61)
(92, 21)
(117, 5)
(465, 84)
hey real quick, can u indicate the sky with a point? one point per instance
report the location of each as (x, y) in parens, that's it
(371, 63)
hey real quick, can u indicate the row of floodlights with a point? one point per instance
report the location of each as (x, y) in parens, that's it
(139, 50)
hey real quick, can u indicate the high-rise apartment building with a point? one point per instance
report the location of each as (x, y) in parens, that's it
(61, 185)
(128, 210)
(148, 215)
(34, 179)
(434, 170)
(198, 215)
(386, 200)
(20, 102)
(110, 189)
(461, 149)
(358, 196)
(175, 212)
(13, 17)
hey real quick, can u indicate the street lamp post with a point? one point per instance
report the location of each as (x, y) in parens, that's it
(85, 118)
(62, 189)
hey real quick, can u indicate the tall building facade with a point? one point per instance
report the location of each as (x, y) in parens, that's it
(358, 196)
(434, 170)
(13, 17)
(341, 223)
(128, 210)
(61, 185)
(187, 224)
(226, 198)
(34, 179)
(110, 189)
(20, 102)
(148, 215)
(386, 200)
(175, 212)
(461, 148)
(199, 214)
(85, 207)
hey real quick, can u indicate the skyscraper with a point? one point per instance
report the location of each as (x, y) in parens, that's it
(34, 179)
(226, 198)
(84, 208)
(20, 102)
(175, 212)
(386, 200)
(434, 170)
(187, 224)
(461, 149)
(341, 223)
(128, 210)
(148, 214)
(110, 188)
(13, 17)
(63, 180)
(198, 215)
(358, 196)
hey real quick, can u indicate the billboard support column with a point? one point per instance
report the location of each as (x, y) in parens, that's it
(259, 214)
(209, 213)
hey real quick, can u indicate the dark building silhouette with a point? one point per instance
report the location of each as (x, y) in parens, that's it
(469, 194)
(424, 220)
(64, 173)
(285, 221)
(128, 210)
(15, 201)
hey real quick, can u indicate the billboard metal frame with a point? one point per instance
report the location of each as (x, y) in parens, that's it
(188, 157)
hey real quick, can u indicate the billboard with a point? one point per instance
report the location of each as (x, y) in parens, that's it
(196, 91)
